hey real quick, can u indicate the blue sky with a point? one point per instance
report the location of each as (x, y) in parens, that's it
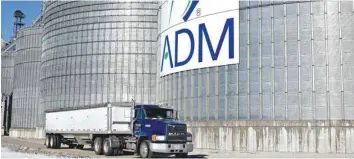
(30, 8)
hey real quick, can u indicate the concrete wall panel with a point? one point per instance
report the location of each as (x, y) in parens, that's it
(270, 136)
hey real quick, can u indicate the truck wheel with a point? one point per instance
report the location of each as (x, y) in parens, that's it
(107, 149)
(97, 146)
(58, 139)
(47, 141)
(144, 150)
(181, 155)
(52, 141)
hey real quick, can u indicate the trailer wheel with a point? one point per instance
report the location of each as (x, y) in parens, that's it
(58, 143)
(47, 141)
(144, 150)
(52, 141)
(107, 149)
(98, 146)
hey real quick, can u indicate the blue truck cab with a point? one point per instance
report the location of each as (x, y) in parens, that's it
(158, 131)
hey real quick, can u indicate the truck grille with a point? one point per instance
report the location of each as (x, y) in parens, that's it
(177, 133)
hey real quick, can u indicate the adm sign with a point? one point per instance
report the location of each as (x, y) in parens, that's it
(198, 34)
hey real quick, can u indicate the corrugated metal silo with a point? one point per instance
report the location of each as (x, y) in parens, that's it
(96, 52)
(26, 88)
(296, 63)
(7, 72)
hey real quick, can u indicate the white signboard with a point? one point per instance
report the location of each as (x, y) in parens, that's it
(198, 34)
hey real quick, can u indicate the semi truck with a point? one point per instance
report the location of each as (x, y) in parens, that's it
(116, 128)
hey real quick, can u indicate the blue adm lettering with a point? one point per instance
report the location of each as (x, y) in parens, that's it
(202, 34)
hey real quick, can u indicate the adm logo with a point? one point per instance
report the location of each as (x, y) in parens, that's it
(188, 11)
(189, 37)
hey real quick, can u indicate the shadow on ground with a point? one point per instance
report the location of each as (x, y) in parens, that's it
(173, 156)
(137, 156)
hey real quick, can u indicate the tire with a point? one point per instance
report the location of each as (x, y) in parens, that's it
(144, 150)
(107, 149)
(181, 155)
(58, 139)
(98, 146)
(55, 139)
(52, 141)
(47, 141)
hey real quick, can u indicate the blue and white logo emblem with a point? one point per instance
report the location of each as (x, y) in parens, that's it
(198, 35)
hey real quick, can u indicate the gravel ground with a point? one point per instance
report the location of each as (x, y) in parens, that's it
(7, 153)
(36, 147)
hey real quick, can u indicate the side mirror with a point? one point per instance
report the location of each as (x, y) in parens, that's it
(175, 115)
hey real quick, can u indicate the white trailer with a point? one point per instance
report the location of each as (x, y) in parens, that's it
(77, 125)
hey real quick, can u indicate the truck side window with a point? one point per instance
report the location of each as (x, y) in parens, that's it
(139, 115)
(169, 114)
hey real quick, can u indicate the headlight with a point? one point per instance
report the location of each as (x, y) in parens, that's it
(158, 138)
(189, 137)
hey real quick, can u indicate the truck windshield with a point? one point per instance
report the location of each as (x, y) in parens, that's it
(158, 113)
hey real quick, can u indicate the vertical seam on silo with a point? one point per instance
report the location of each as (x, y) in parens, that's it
(199, 97)
(129, 57)
(195, 87)
(248, 62)
(207, 97)
(237, 96)
(226, 94)
(327, 60)
(341, 59)
(181, 81)
(195, 95)
(109, 74)
(178, 89)
(187, 94)
(163, 84)
(183, 102)
(116, 69)
(286, 60)
(96, 59)
(313, 65)
(191, 97)
(166, 90)
(177, 92)
(90, 100)
(260, 103)
(299, 102)
(123, 61)
(217, 91)
(85, 76)
(136, 64)
(273, 76)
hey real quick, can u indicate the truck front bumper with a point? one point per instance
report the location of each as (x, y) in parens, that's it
(171, 148)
